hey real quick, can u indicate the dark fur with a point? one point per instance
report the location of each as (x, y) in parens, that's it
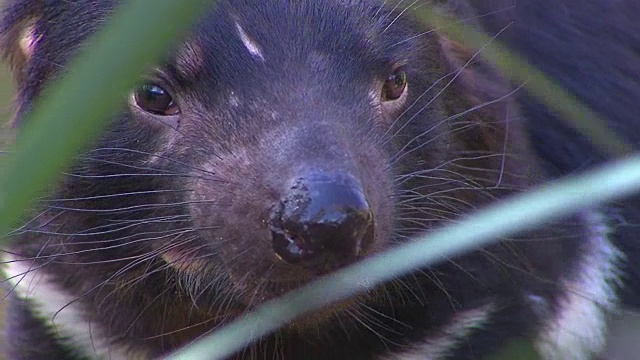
(591, 49)
(306, 106)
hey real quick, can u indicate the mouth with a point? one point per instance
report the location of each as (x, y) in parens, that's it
(243, 291)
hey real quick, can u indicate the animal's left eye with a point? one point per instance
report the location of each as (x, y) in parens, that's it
(394, 86)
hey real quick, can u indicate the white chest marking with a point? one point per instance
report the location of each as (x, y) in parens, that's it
(59, 309)
(578, 331)
(440, 345)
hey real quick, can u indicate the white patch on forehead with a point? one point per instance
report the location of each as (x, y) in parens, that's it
(249, 43)
(60, 310)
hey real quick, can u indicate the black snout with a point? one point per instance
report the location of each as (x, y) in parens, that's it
(322, 217)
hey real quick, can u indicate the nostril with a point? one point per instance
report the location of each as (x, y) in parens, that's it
(321, 216)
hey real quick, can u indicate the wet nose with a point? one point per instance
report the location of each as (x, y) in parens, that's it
(322, 217)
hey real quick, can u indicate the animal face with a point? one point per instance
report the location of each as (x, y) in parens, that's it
(278, 142)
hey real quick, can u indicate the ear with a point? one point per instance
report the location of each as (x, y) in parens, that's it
(486, 106)
(19, 38)
(481, 85)
(19, 34)
(18, 44)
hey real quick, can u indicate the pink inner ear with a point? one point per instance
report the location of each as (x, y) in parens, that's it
(28, 40)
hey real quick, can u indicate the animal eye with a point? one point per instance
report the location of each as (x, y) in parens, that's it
(394, 86)
(156, 100)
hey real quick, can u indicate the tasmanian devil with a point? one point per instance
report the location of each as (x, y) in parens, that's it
(280, 141)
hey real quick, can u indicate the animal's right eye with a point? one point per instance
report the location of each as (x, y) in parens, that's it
(394, 86)
(154, 99)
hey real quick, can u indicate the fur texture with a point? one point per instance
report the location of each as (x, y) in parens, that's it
(164, 229)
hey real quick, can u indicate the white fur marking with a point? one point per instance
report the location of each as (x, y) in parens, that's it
(440, 345)
(234, 100)
(48, 299)
(579, 329)
(249, 43)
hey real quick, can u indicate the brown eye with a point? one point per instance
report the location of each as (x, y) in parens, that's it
(156, 100)
(394, 86)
